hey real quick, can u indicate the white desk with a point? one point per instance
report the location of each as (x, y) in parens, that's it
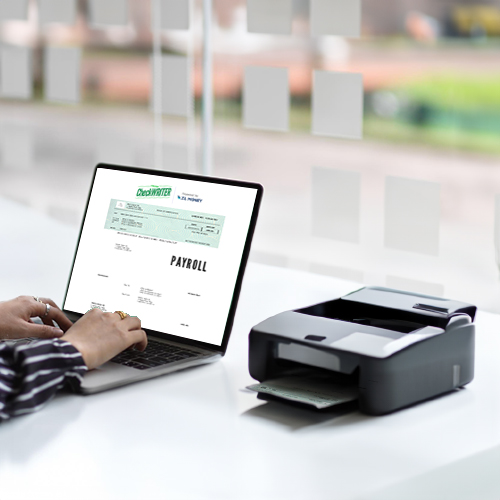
(197, 434)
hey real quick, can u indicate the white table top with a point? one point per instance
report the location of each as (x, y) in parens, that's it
(198, 434)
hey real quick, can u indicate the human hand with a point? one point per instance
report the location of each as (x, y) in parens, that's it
(16, 314)
(100, 336)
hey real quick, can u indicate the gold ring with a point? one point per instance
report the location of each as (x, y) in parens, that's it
(121, 314)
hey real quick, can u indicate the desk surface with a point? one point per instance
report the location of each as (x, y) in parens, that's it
(199, 434)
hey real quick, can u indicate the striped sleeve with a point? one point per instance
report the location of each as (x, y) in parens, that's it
(31, 374)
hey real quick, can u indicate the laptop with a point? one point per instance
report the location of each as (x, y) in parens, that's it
(171, 249)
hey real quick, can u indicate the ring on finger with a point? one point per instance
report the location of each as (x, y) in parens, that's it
(121, 314)
(47, 310)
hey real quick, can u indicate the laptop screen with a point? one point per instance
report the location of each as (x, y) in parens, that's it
(167, 249)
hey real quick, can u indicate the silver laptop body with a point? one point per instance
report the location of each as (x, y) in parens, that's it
(188, 235)
(111, 375)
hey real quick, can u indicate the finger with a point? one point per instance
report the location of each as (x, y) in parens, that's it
(132, 323)
(55, 314)
(43, 331)
(64, 322)
(47, 321)
(37, 308)
(49, 301)
(138, 339)
(117, 316)
(46, 317)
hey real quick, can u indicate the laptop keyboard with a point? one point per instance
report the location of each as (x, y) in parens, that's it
(156, 354)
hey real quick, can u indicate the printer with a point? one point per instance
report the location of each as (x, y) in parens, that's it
(397, 348)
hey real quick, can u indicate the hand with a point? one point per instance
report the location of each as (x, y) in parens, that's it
(100, 336)
(16, 314)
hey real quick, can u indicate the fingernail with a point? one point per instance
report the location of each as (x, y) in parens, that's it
(58, 332)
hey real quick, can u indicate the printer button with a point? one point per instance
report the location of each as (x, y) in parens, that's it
(316, 338)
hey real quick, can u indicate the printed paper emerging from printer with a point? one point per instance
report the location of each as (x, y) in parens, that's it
(314, 390)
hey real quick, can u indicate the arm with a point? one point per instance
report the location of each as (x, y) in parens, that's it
(30, 375)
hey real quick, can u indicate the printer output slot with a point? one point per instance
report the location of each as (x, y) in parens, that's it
(369, 315)
(294, 368)
(296, 382)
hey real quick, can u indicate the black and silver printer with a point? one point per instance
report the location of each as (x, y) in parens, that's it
(395, 348)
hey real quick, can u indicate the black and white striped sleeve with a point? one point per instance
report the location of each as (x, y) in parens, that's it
(31, 374)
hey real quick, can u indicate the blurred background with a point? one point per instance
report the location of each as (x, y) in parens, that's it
(412, 205)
